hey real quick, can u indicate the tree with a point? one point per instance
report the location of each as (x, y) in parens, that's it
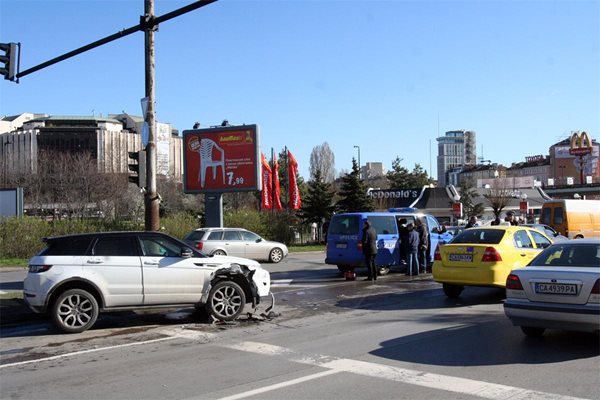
(318, 205)
(322, 159)
(353, 193)
(498, 196)
(418, 177)
(399, 175)
(467, 198)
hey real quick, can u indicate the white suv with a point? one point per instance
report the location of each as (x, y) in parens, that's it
(77, 276)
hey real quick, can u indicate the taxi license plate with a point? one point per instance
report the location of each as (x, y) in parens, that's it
(460, 257)
(556, 288)
(341, 245)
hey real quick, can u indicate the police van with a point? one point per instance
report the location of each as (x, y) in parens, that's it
(344, 246)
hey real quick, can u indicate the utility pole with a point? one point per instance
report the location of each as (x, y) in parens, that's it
(151, 199)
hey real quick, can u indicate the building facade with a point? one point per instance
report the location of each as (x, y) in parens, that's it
(455, 149)
(107, 140)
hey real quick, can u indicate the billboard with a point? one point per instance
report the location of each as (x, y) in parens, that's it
(221, 159)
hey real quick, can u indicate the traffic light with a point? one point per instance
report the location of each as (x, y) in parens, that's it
(8, 60)
(137, 164)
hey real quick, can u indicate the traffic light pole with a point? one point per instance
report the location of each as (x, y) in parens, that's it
(151, 199)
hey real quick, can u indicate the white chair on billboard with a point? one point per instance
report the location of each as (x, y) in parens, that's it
(206, 160)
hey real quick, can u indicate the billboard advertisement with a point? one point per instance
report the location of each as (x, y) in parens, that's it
(221, 159)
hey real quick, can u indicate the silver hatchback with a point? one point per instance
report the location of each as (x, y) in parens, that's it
(236, 242)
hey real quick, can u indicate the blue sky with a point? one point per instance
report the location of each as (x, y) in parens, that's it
(388, 76)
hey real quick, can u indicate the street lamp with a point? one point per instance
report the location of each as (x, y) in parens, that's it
(359, 168)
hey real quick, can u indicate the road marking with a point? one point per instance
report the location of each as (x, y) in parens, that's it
(447, 383)
(77, 353)
(276, 386)
(291, 282)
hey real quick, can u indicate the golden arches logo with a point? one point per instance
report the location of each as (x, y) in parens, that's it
(581, 144)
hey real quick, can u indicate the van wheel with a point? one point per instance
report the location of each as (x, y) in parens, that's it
(452, 291)
(578, 237)
(344, 268)
(383, 271)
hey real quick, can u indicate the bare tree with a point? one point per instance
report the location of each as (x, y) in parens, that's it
(498, 196)
(322, 159)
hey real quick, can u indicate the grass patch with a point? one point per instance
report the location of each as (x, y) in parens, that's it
(13, 262)
(11, 295)
(22, 262)
(306, 247)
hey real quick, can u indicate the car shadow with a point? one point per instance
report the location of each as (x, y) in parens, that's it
(414, 300)
(493, 342)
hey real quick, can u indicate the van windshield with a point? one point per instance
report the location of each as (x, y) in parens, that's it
(345, 225)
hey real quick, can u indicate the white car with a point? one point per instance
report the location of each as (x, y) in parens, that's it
(77, 276)
(559, 289)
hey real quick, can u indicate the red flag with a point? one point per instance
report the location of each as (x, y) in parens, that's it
(277, 190)
(267, 183)
(295, 202)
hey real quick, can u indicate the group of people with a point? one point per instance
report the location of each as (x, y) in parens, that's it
(414, 247)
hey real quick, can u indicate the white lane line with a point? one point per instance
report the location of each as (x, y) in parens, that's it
(171, 334)
(77, 353)
(276, 386)
(453, 384)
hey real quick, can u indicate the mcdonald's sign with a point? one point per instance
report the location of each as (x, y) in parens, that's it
(581, 144)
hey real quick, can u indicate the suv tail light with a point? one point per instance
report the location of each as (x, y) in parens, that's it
(491, 254)
(513, 282)
(199, 245)
(34, 269)
(437, 256)
(596, 288)
(595, 293)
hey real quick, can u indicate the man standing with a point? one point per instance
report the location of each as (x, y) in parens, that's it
(423, 244)
(413, 250)
(510, 218)
(369, 248)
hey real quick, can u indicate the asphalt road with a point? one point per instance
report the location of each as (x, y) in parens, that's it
(397, 339)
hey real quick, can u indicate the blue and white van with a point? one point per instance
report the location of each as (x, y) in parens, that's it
(344, 247)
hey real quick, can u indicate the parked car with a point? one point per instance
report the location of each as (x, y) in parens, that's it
(77, 276)
(549, 231)
(236, 242)
(485, 256)
(559, 289)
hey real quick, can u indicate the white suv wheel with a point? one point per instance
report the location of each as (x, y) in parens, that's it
(75, 311)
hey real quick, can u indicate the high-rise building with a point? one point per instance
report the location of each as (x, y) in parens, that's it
(455, 149)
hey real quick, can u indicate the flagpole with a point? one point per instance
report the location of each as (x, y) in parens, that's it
(273, 180)
(287, 178)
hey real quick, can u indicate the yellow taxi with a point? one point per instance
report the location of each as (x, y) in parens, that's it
(484, 256)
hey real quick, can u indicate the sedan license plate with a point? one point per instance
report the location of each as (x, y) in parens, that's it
(556, 288)
(341, 245)
(460, 257)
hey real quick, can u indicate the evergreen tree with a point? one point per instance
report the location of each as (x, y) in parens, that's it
(353, 193)
(318, 205)
(467, 198)
(418, 177)
(398, 176)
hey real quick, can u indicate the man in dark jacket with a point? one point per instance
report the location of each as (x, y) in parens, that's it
(413, 251)
(423, 244)
(369, 248)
